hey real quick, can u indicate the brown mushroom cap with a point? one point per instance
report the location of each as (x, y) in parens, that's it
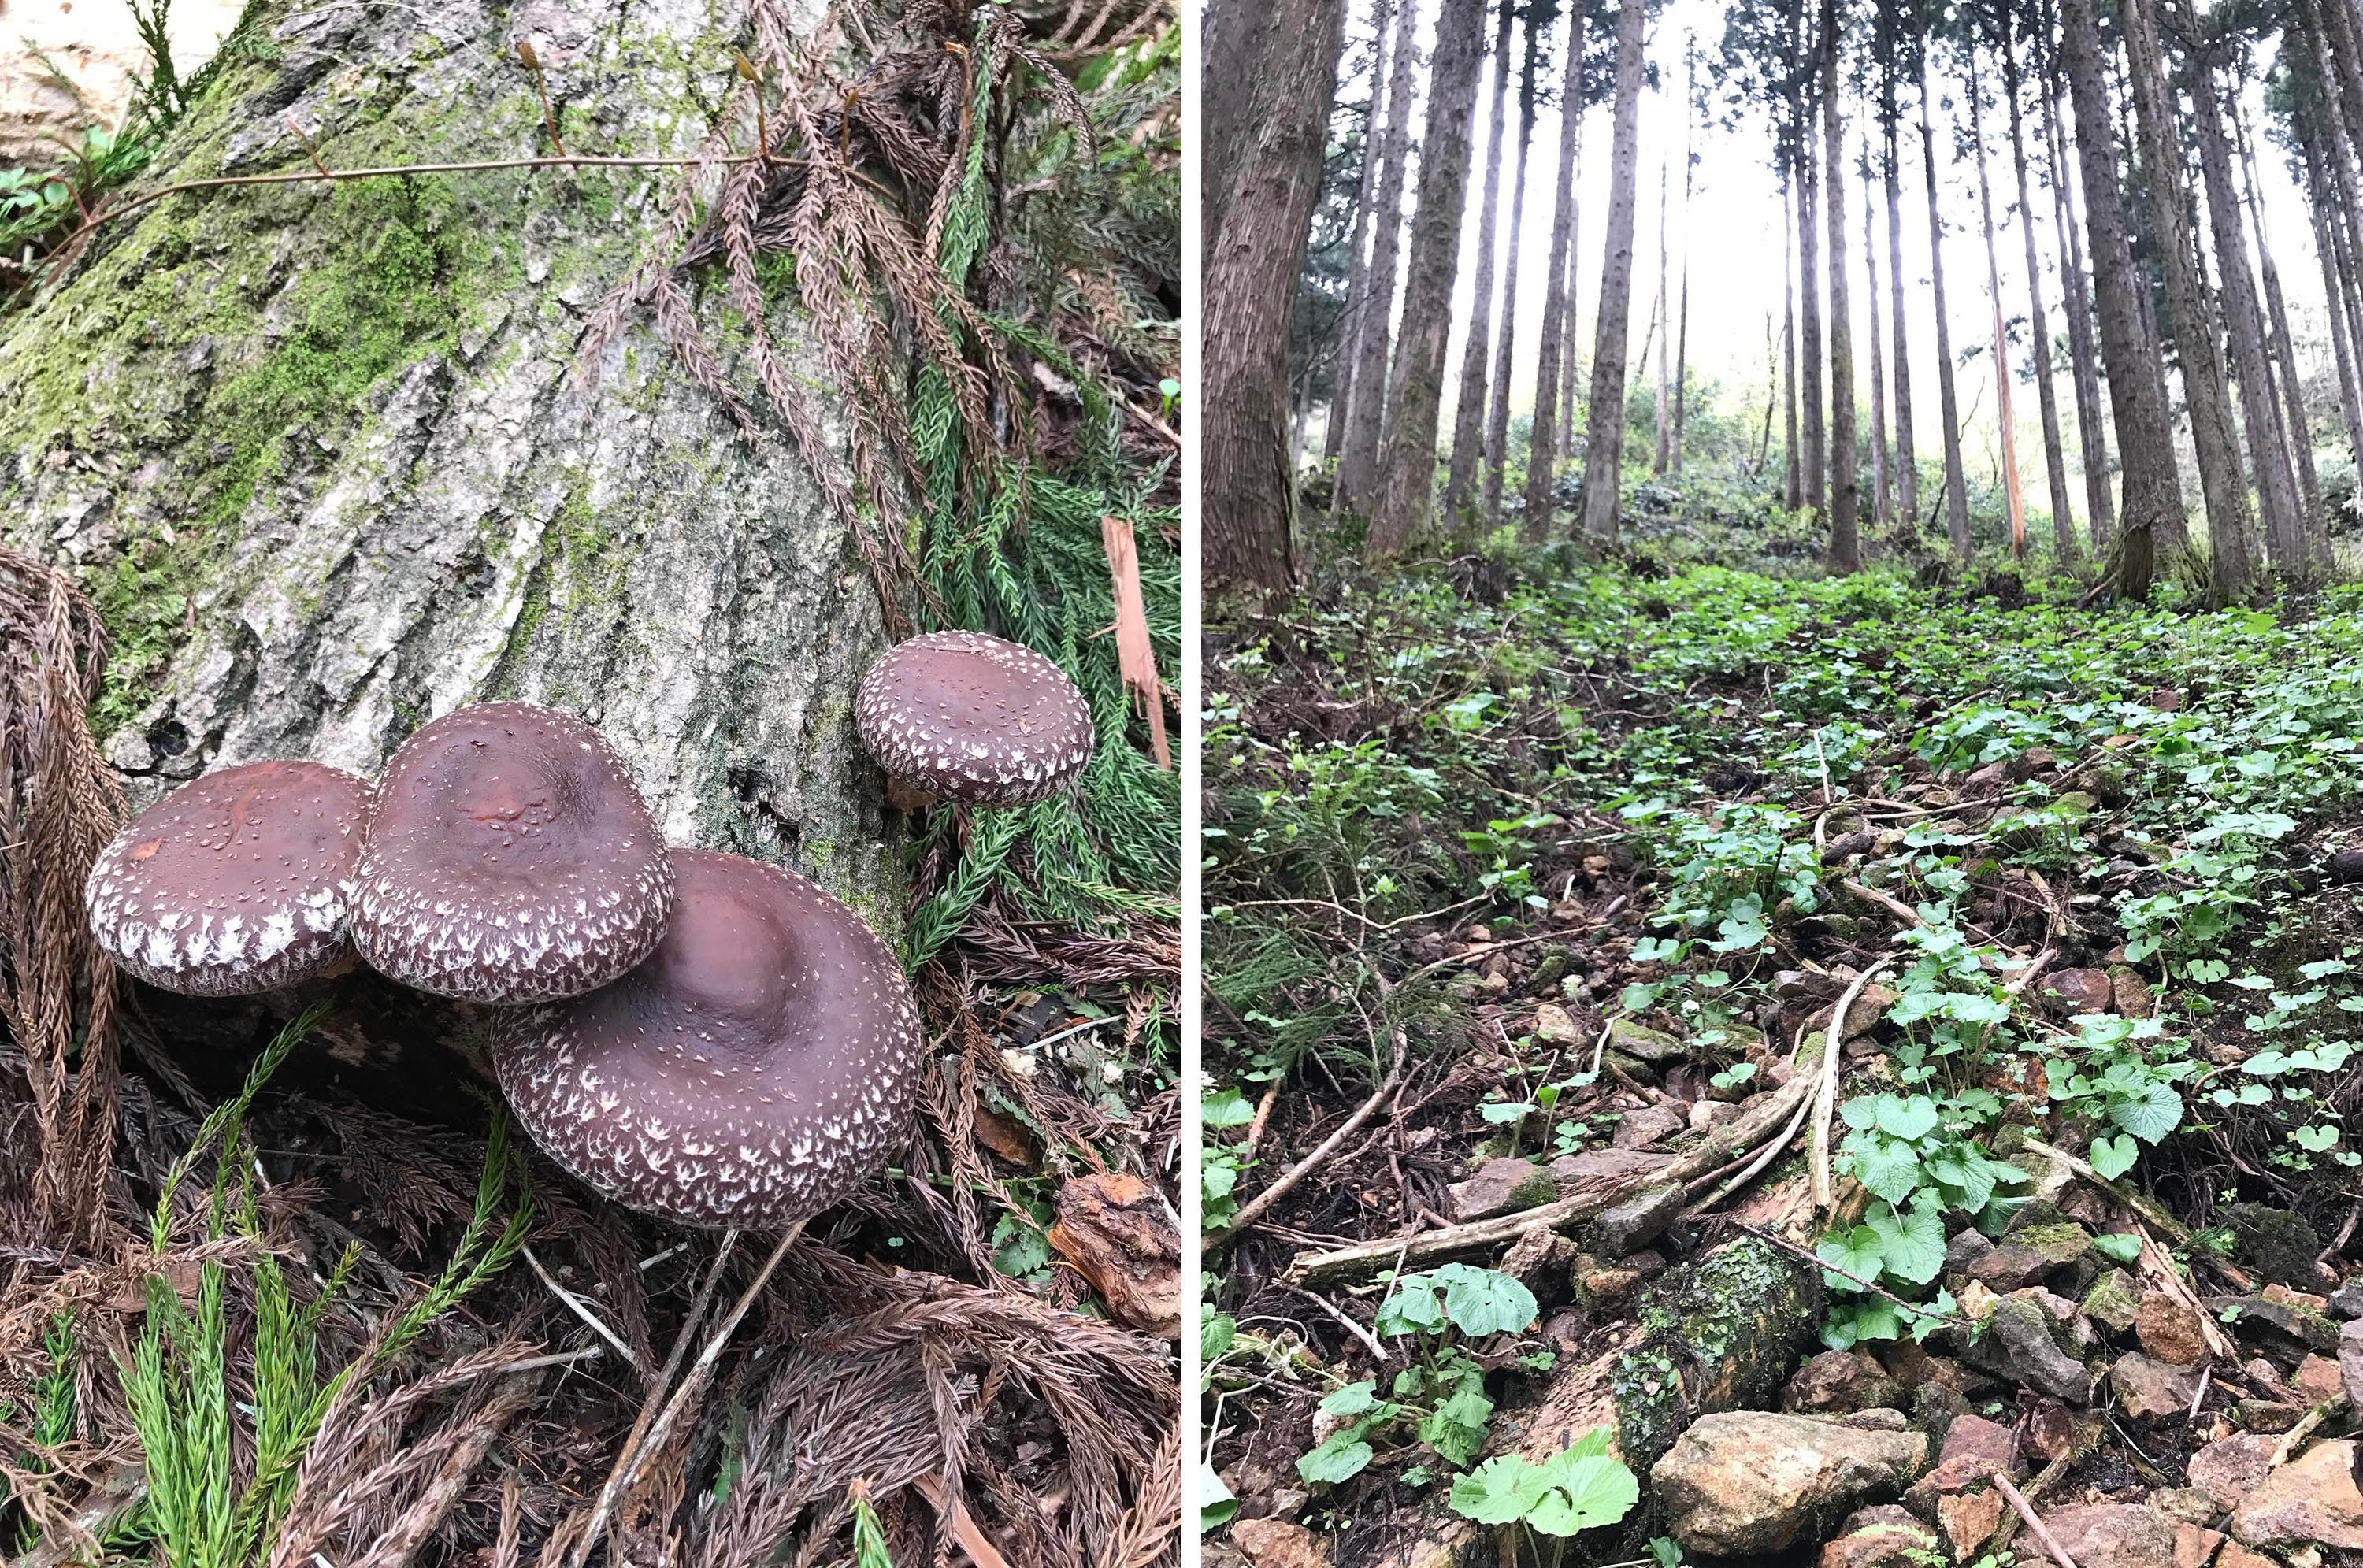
(752, 1071)
(237, 882)
(509, 860)
(975, 719)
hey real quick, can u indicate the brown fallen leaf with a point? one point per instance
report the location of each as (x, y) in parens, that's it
(1006, 1137)
(1119, 1235)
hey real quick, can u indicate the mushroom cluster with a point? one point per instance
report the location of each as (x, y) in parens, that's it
(697, 1035)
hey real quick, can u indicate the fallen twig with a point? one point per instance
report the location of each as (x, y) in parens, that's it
(1825, 1095)
(1261, 1203)
(2036, 1527)
(2304, 1429)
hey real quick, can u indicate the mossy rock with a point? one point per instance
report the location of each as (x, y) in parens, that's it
(1723, 1333)
(2274, 1243)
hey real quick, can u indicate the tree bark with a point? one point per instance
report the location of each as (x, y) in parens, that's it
(1255, 244)
(1882, 515)
(333, 443)
(1604, 429)
(1358, 270)
(2295, 425)
(2152, 509)
(1683, 318)
(1542, 454)
(1907, 464)
(2267, 441)
(1809, 309)
(2333, 291)
(1497, 422)
(2055, 458)
(2091, 419)
(1957, 493)
(2015, 497)
(1415, 386)
(1663, 403)
(2231, 552)
(1845, 484)
(1468, 450)
(1792, 485)
(1374, 325)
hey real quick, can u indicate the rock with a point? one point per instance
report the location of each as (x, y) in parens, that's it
(1500, 1187)
(2230, 1470)
(1706, 1115)
(2023, 1344)
(2168, 1330)
(1974, 1449)
(2031, 1254)
(1974, 1437)
(1968, 1521)
(1554, 1024)
(1965, 1248)
(1650, 1124)
(1651, 1045)
(1542, 1260)
(2111, 1535)
(2347, 1301)
(2311, 1499)
(2151, 1391)
(1838, 1383)
(1880, 1419)
(2076, 991)
(1749, 1482)
(2350, 1361)
(1117, 1232)
(96, 49)
(1626, 1229)
(2235, 1556)
(2318, 1377)
(2284, 1318)
(1278, 1543)
(2112, 1301)
(1604, 1167)
(2184, 1505)
(2131, 993)
(2273, 1243)
(1722, 1334)
(1881, 1537)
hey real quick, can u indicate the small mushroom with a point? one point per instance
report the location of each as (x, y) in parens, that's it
(961, 716)
(752, 1071)
(509, 860)
(234, 883)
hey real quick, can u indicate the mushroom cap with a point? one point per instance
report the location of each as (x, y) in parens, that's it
(234, 883)
(755, 1070)
(975, 719)
(509, 860)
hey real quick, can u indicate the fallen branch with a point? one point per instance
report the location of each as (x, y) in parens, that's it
(2175, 1232)
(1261, 1203)
(1826, 1100)
(2304, 1429)
(2035, 1526)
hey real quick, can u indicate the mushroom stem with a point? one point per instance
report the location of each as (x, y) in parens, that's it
(640, 1446)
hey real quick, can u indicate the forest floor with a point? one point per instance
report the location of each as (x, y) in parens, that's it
(1537, 890)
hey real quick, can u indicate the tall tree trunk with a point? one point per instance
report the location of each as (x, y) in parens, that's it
(1469, 418)
(1907, 464)
(1664, 400)
(2091, 419)
(2285, 544)
(1808, 309)
(1358, 268)
(2055, 458)
(2295, 425)
(2013, 494)
(1605, 428)
(1542, 453)
(2232, 553)
(2152, 515)
(2342, 334)
(1415, 385)
(1845, 484)
(1255, 256)
(1366, 415)
(1792, 487)
(1948, 406)
(1302, 420)
(1882, 514)
(1682, 328)
(1571, 368)
(1497, 420)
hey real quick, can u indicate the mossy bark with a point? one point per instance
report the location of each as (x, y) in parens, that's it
(1721, 1334)
(324, 456)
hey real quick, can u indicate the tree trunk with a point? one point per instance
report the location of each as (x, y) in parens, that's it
(1664, 400)
(2015, 497)
(1682, 328)
(1845, 484)
(1957, 493)
(2295, 425)
(1882, 514)
(2285, 547)
(1542, 454)
(1468, 450)
(1907, 464)
(2092, 420)
(1571, 368)
(1415, 386)
(2232, 552)
(1366, 415)
(1809, 286)
(1793, 486)
(1357, 270)
(1604, 429)
(1255, 256)
(2055, 458)
(1497, 422)
(2342, 339)
(327, 459)
(2152, 511)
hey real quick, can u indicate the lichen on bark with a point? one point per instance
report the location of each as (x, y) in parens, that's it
(323, 457)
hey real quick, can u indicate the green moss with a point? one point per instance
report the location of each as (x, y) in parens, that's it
(1722, 1334)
